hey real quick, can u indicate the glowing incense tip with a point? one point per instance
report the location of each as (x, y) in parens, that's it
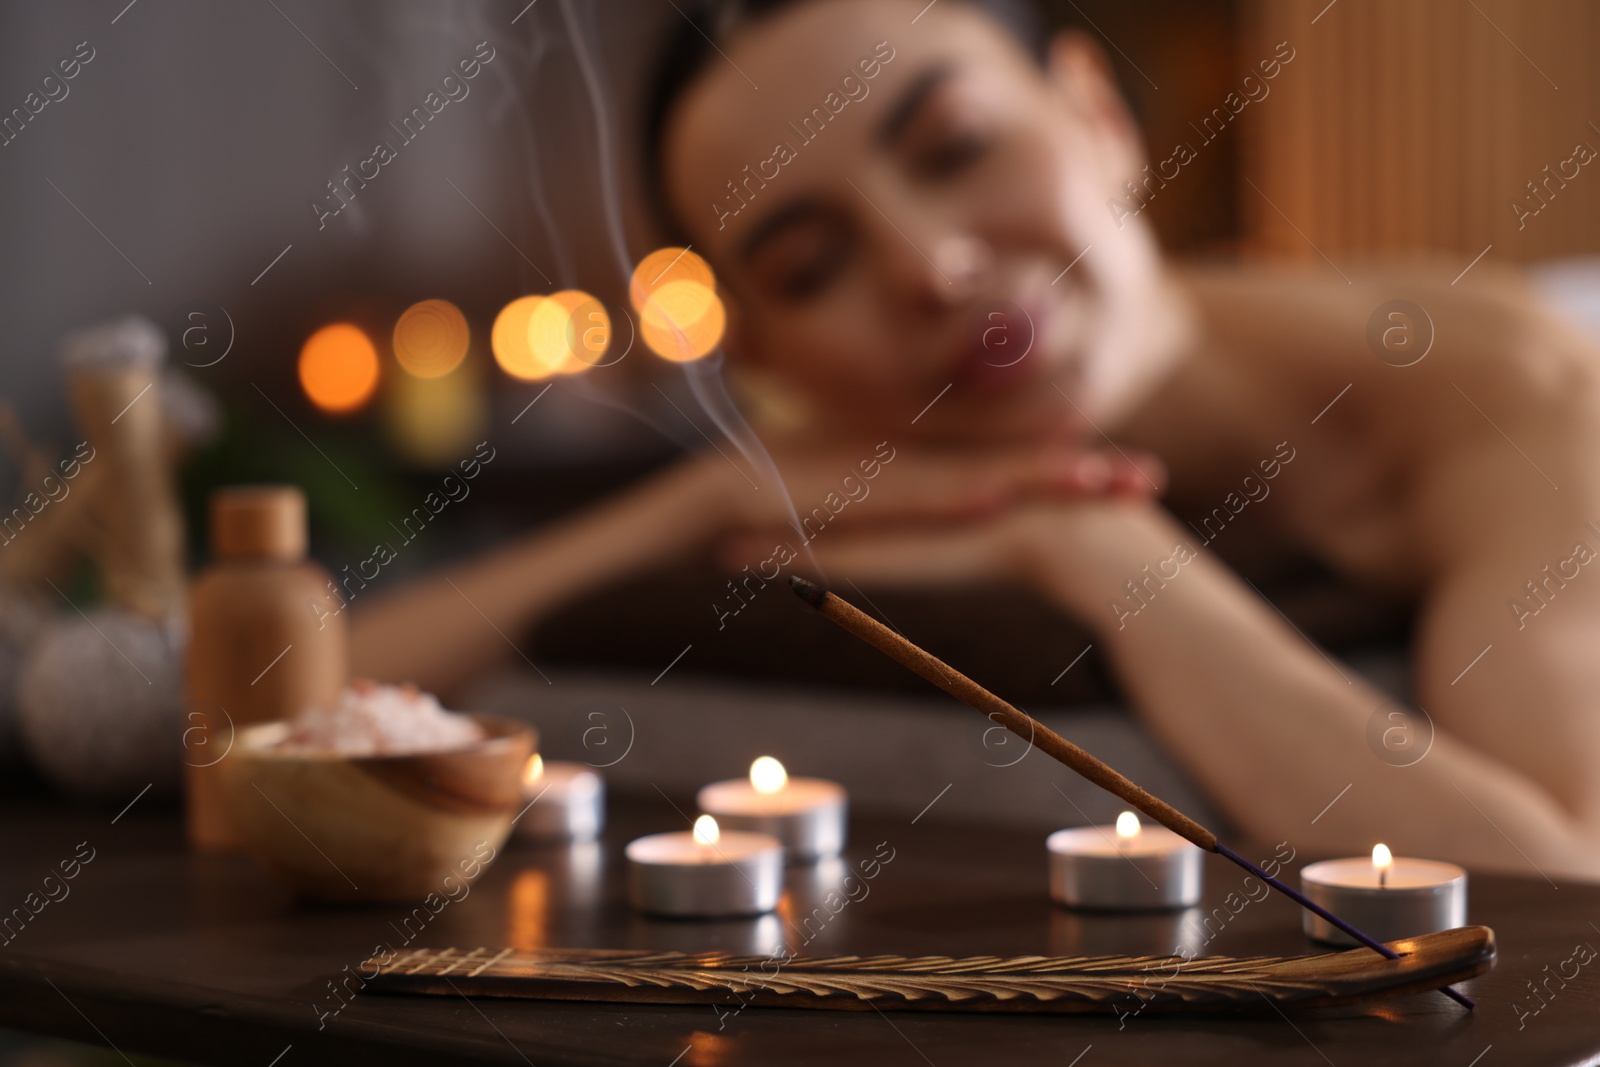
(810, 592)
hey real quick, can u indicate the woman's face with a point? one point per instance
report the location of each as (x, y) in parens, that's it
(902, 207)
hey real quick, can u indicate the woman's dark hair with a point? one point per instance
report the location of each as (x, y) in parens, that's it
(694, 40)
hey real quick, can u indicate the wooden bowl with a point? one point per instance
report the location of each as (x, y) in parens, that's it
(338, 827)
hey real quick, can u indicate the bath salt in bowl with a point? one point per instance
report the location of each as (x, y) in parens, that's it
(384, 796)
(381, 720)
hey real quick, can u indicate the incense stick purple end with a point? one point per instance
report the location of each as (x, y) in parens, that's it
(810, 592)
(1311, 905)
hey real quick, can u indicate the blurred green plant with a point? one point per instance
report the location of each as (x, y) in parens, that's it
(351, 483)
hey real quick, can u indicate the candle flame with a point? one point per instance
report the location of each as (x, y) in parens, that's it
(767, 775)
(706, 831)
(534, 770)
(1382, 858)
(1128, 826)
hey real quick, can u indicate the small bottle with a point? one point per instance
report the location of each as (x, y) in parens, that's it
(262, 643)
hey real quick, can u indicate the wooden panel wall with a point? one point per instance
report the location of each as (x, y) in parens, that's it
(1415, 124)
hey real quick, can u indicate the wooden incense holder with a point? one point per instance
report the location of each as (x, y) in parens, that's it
(1025, 726)
(1056, 984)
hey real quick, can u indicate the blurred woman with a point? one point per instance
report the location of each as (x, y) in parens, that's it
(921, 177)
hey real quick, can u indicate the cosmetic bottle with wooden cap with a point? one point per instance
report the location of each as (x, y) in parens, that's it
(263, 644)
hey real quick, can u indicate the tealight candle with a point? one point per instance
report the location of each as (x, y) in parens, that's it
(705, 872)
(1128, 867)
(806, 814)
(1387, 897)
(564, 801)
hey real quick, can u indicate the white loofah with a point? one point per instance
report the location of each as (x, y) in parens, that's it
(100, 705)
(131, 340)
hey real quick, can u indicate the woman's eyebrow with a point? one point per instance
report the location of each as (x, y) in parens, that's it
(889, 130)
(790, 214)
(904, 109)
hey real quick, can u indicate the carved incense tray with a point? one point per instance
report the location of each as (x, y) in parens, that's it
(1067, 984)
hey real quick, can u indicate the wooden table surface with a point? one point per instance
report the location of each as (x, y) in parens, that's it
(205, 959)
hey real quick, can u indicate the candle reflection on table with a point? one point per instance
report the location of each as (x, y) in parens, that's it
(819, 879)
(707, 1049)
(1170, 933)
(530, 910)
(763, 935)
(559, 885)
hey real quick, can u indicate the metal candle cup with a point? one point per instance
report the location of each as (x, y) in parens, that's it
(806, 814)
(1386, 897)
(1127, 867)
(705, 873)
(565, 802)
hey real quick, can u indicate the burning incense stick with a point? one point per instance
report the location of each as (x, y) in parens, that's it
(1055, 746)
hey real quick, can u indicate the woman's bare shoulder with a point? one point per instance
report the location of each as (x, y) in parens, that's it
(1488, 320)
(1357, 288)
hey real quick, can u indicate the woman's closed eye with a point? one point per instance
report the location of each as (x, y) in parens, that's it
(949, 153)
(804, 260)
(947, 135)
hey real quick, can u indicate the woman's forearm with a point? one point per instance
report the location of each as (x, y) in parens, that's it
(440, 630)
(1275, 731)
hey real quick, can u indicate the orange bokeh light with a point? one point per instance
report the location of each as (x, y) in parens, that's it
(569, 332)
(591, 327)
(509, 339)
(550, 336)
(667, 265)
(431, 338)
(682, 321)
(339, 368)
(681, 317)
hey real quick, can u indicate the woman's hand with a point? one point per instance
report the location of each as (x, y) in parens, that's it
(1079, 552)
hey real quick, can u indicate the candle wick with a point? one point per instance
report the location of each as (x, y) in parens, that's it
(1383, 877)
